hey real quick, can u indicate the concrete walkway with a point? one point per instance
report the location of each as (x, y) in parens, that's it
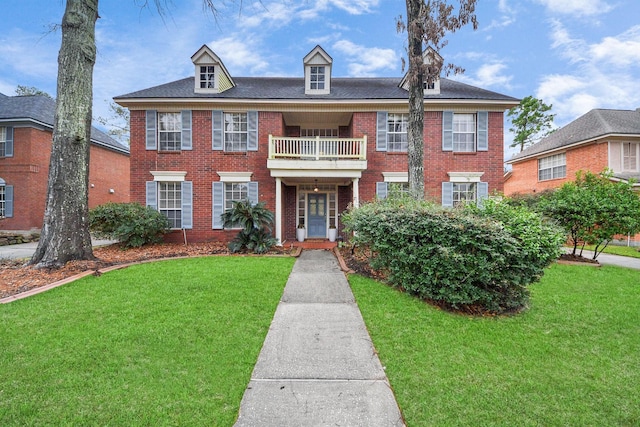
(317, 366)
(26, 250)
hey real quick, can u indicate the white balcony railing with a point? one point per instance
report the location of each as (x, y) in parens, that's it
(317, 148)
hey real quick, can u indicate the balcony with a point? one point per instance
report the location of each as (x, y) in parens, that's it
(321, 154)
(317, 148)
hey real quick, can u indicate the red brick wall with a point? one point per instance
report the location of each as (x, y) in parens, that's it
(202, 163)
(28, 172)
(437, 162)
(524, 175)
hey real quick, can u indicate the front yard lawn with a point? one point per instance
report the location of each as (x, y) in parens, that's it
(166, 343)
(571, 359)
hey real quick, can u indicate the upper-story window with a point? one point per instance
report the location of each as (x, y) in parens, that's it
(552, 167)
(169, 131)
(465, 132)
(6, 141)
(235, 131)
(207, 77)
(630, 156)
(397, 125)
(3, 141)
(317, 78)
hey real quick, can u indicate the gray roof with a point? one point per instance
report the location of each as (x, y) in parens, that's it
(42, 109)
(288, 88)
(595, 124)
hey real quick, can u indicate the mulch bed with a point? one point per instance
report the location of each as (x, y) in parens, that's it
(16, 277)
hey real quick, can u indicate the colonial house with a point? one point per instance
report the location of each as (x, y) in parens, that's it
(26, 131)
(601, 139)
(308, 147)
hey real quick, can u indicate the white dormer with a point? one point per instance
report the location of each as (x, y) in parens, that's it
(317, 72)
(431, 59)
(211, 76)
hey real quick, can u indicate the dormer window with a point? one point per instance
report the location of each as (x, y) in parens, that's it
(317, 72)
(317, 78)
(207, 77)
(210, 74)
(433, 63)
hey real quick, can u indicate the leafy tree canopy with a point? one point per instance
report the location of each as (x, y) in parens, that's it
(531, 121)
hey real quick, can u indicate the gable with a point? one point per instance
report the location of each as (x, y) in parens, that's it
(211, 76)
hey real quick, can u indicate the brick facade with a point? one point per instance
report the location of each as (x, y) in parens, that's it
(28, 170)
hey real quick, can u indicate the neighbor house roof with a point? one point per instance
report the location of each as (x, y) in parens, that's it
(287, 88)
(595, 124)
(41, 110)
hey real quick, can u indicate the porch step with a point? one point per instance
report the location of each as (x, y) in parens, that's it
(315, 244)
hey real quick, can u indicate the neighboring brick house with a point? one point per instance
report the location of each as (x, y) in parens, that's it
(308, 147)
(601, 139)
(26, 126)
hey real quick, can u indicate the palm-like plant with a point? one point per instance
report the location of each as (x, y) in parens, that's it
(255, 221)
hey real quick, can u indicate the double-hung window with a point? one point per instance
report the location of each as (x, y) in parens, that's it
(397, 125)
(464, 188)
(168, 131)
(6, 141)
(235, 132)
(465, 132)
(233, 187)
(170, 195)
(3, 201)
(170, 202)
(552, 167)
(6, 199)
(317, 78)
(630, 156)
(464, 192)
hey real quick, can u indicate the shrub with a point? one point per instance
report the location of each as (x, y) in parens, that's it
(131, 224)
(451, 256)
(255, 222)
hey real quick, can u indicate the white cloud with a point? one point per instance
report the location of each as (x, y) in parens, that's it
(239, 54)
(488, 75)
(623, 50)
(365, 62)
(353, 7)
(576, 7)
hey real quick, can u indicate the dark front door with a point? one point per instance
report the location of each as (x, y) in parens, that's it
(317, 215)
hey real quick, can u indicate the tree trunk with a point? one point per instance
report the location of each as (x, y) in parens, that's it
(415, 140)
(65, 231)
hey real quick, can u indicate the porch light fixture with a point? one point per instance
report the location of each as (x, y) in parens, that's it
(315, 187)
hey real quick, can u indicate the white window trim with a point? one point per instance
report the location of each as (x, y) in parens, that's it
(552, 167)
(168, 176)
(637, 156)
(465, 176)
(235, 176)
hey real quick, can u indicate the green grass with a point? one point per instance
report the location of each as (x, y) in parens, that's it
(167, 343)
(571, 360)
(629, 251)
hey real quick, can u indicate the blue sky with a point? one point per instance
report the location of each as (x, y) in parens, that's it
(574, 54)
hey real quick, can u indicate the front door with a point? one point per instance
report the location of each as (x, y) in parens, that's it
(317, 215)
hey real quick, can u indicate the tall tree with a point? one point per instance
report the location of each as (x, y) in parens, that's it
(65, 230)
(530, 121)
(118, 123)
(428, 22)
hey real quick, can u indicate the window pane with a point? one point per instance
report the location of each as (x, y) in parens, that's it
(170, 202)
(464, 132)
(169, 131)
(235, 131)
(2, 201)
(463, 193)
(3, 141)
(397, 126)
(552, 167)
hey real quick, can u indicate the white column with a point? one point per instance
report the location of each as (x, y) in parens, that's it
(279, 211)
(356, 192)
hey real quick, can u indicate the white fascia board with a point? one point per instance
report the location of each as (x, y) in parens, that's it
(396, 176)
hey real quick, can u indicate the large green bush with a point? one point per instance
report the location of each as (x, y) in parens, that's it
(131, 224)
(456, 257)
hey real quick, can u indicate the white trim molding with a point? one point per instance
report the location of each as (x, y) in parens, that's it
(396, 176)
(465, 176)
(235, 176)
(168, 176)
